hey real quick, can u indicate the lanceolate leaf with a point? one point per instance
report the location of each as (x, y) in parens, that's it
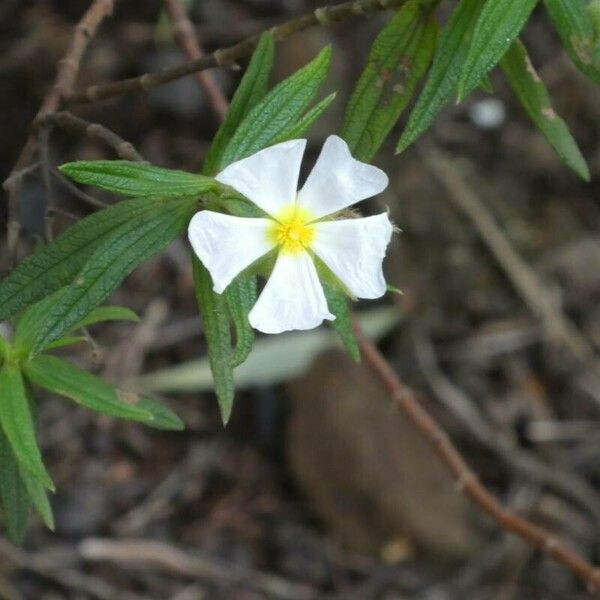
(573, 23)
(279, 111)
(13, 493)
(65, 379)
(112, 261)
(38, 497)
(398, 58)
(240, 296)
(56, 265)
(499, 23)
(17, 423)
(108, 313)
(535, 99)
(305, 122)
(215, 320)
(445, 71)
(338, 305)
(137, 179)
(251, 89)
(68, 340)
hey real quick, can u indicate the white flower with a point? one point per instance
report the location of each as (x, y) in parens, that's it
(353, 249)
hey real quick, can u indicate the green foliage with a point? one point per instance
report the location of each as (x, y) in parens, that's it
(498, 24)
(252, 88)
(275, 117)
(572, 21)
(304, 123)
(14, 498)
(398, 59)
(138, 179)
(444, 75)
(57, 264)
(23, 477)
(535, 99)
(240, 297)
(38, 498)
(215, 319)
(107, 313)
(62, 378)
(338, 306)
(17, 423)
(113, 259)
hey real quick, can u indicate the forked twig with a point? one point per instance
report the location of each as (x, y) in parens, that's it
(68, 121)
(227, 57)
(63, 84)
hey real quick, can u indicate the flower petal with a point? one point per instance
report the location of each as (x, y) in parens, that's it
(338, 180)
(226, 245)
(354, 250)
(293, 297)
(270, 177)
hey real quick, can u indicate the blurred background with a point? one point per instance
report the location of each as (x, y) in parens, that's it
(318, 488)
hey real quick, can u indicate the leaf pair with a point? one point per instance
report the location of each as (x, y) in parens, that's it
(257, 118)
(480, 35)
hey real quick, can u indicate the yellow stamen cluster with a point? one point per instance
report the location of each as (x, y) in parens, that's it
(292, 230)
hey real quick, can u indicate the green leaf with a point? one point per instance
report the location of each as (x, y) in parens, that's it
(339, 307)
(445, 71)
(114, 258)
(68, 340)
(279, 111)
(251, 89)
(138, 179)
(108, 313)
(39, 498)
(535, 99)
(65, 379)
(398, 59)
(57, 264)
(240, 296)
(499, 23)
(300, 127)
(215, 319)
(4, 348)
(576, 30)
(17, 424)
(14, 498)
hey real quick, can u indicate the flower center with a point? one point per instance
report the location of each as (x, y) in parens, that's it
(292, 230)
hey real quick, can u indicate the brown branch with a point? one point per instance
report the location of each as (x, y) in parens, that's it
(63, 85)
(467, 482)
(227, 57)
(185, 36)
(68, 121)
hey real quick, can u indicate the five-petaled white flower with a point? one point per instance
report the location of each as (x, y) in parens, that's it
(298, 227)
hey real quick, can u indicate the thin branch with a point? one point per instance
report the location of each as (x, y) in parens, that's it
(227, 57)
(63, 85)
(467, 482)
(185, 36)
(68, 121)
